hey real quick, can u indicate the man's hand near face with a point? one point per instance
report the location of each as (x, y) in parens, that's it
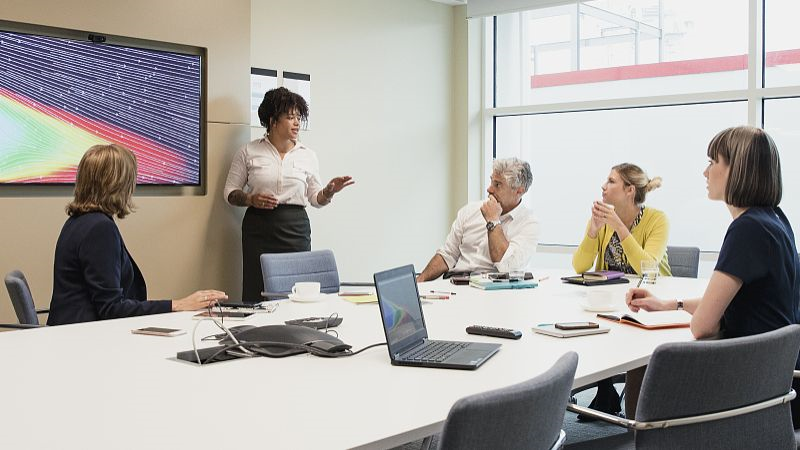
(491, 209)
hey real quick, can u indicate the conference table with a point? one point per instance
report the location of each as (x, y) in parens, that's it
(98, 386)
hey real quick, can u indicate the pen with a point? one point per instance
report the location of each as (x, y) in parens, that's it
(640, 282)
(435, 297)
(442, 292)
(543, 278)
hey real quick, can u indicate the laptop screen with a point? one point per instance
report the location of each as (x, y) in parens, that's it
(400, 308)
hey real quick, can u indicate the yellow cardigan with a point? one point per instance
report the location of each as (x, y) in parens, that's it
(648, 240)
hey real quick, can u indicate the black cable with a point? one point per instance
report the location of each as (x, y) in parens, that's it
(256, 346)
(367, 347)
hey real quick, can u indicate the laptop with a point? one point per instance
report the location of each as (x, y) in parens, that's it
(406, 334)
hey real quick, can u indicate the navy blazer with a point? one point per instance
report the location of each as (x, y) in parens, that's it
(94, 276)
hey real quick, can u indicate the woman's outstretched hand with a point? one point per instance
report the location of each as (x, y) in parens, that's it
(198, 300)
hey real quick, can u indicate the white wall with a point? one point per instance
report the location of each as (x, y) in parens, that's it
(381, 76)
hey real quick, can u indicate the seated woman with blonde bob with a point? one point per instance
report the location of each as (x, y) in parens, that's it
(755, 286)
(94, 276)
(622, 232)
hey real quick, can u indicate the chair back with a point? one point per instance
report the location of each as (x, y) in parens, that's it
(526, 415)
(21, 298)
(683, 261)
(692, 378)
(282, 270)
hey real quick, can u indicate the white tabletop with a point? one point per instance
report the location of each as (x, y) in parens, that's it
(97, 386)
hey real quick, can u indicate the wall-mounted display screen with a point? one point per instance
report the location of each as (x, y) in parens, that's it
(61, 95)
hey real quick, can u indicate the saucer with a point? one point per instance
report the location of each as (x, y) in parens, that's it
(316, 298)
(599, 308)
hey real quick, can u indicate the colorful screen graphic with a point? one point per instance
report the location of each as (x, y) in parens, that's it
(58, 97)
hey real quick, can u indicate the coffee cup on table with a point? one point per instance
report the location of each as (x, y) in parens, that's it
(306, 289)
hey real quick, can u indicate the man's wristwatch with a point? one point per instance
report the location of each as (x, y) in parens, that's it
(679, 305)
(492, 224)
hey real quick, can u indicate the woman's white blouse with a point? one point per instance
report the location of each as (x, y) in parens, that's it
(258, 167)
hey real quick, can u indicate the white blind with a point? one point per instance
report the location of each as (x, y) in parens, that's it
(483, 8)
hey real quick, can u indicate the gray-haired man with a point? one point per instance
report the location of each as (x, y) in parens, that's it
(498, 234)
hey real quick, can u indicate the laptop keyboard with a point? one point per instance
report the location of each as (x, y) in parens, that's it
(433, 351)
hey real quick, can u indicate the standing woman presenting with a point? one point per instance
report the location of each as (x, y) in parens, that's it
(275, 178)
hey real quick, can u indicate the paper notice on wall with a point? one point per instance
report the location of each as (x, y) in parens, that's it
(299, 83)
(261, 80)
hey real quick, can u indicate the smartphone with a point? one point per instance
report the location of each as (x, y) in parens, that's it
(156, 331)
(576, 325)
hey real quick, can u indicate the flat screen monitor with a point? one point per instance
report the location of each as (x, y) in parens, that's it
(62, 91)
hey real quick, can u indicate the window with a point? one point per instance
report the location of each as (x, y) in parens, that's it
(578, 88)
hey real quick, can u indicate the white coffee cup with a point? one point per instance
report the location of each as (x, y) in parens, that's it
(306, 289)
(598, 298)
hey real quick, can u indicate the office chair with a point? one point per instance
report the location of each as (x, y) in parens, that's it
(683, 261)
(282, 270)
(21, 298)
(526, 415)
(729, 393)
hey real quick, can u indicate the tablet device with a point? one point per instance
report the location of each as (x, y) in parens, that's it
(550, 329)
(158, 331)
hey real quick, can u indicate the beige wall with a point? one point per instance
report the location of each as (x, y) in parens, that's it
(383, 99)
(173, 238)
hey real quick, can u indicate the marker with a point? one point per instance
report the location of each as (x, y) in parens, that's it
(442, 292)
(434, 297)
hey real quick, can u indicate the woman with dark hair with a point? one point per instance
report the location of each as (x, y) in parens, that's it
(755, 286)
(94, 276)
(275, 178)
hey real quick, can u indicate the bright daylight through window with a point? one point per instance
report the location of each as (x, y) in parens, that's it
(578, 88)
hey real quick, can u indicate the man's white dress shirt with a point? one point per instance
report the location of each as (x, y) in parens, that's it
(467, 245)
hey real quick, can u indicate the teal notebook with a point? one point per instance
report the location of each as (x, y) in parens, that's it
(493, 285)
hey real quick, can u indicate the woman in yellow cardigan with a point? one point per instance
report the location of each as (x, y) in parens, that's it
(622, 232)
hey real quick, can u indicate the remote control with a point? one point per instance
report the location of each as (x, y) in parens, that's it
(506, 333)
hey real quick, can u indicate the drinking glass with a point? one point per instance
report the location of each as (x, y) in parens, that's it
(649, 272)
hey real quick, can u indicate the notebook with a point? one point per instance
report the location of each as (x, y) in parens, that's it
(406, 333)
(493, 285)
(230, 315)
(652, 320)
(579, 279)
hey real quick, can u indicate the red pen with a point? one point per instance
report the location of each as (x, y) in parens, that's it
(434, 297)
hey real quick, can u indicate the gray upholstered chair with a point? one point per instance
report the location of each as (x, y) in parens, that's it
(527, 415)
(729, 393)
(21, 298)
(683, 261)
(282, 270)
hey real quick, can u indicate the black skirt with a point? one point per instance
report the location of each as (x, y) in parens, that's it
(281, 230)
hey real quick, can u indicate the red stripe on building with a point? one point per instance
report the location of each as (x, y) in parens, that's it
(664, 69)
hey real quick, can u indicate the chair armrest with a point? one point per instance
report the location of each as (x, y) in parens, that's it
(43, 311)
(606, 417)
(690, 420)
(18, 326)
(357, 283)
